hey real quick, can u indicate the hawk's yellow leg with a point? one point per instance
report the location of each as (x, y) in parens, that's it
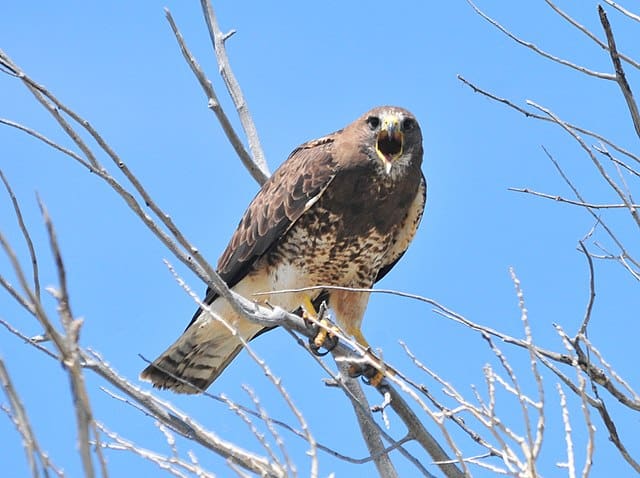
(373, 374)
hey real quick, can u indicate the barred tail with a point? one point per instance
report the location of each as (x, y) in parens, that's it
(198, 357)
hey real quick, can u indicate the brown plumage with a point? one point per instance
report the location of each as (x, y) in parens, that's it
(341, 211)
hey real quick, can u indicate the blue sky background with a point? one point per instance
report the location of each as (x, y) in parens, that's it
(307, 69)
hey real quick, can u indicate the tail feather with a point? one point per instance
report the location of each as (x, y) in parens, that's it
(198, 357)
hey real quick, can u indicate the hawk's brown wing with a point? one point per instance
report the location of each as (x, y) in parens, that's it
(292, 189)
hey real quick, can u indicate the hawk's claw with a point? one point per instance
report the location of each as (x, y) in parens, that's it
(322, 339)
(371, 375)
(321, 328)
(333, 342)
(316, 350)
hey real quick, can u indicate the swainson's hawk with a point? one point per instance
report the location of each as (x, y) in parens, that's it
(340, 211)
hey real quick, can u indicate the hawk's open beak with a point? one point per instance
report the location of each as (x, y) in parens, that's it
(390, 141)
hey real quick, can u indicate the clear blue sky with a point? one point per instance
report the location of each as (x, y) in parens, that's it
(306, 70)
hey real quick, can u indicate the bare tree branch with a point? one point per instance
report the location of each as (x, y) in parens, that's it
(172, 464)
(233, 87)
(420, 434)
(372, 437)
(259, 172)
(71, 360)
(602, 409)
(623, 10)
(337, 380)
(516, 448)
(180, 422)
(621, 78)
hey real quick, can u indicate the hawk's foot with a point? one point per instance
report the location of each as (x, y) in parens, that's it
(323, 338)
(371, 374)
(322, 329)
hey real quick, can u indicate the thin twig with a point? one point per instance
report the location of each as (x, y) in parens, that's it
(39, 136)
(530, 114)
(450, 390)
(571, 461)
(22, 422)
(592, 292)
(535, 445)
(439, 309)
(29, 340)
(571, 201)
(624, 165)
(19, 298)
(589, 33)
(30, 302)
(531, 46)
(265, 417)
(598, 219)
(596, 162)
(253, 429)
(172, 464)
(25, 234)
(623, 10)
(591, 430)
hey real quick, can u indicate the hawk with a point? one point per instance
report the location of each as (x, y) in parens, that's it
(340, 211)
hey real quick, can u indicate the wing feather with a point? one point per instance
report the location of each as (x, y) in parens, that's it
(288, 193)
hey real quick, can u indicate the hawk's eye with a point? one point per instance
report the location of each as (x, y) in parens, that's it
(408, 124)
(373, 122)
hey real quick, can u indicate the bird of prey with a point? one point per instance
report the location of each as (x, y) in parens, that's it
(340, 211)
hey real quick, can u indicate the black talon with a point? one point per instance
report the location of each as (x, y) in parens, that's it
(316, 350)
(330, 342)
(333, 342)
(368, 373)
(355, 370)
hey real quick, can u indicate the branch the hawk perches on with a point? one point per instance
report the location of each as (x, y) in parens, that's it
(340, 211)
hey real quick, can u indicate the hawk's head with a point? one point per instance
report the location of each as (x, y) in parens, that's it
(391, 137)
